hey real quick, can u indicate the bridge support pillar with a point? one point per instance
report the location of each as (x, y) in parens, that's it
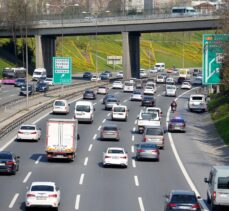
(45, 50)
(131, 54)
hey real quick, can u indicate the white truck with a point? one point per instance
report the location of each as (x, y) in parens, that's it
(61, 139)
(147, 119)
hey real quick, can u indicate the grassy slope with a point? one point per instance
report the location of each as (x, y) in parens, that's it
(219, 108)
(155, 47)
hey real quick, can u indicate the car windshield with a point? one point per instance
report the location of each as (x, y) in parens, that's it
(48, 79)
(42, 188)
(59, 103)
(170, 87)
(20, 80)
(160, 77)
(154, 131)
(197, 98)
(128, 84)
(183, 199)
(137, 93)
(5, 156)
(115, 151)
(37, 73)
(146, 116)
(85, 108)
(223, 182)
(147, 146)
(112, 100)
(148, 98)
(27, 127)
(110, 128)
(23, 88)
(42, 84)
(119, 109)
(149, 87)
(177, 120)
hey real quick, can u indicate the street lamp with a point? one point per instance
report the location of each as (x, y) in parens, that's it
(62, 7)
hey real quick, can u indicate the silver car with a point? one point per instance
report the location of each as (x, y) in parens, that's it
(147, 151)
(110, 102)
(155, 134)
(110, 132)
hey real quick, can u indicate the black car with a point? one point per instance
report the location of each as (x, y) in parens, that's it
(31, 89)
(176, 124)
(108, 96)
(42, 87)
(104, 76)
(9, 162)
(148, 101)
(87, 75)
(20, 82)
(180, 80)
(89, 94)
(180, 200)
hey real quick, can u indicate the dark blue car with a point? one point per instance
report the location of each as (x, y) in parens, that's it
(42, 87)
(20, 82)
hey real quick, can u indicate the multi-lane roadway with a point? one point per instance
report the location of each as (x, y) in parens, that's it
(85, 185)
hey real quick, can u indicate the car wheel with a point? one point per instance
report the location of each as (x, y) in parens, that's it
(214, 207)
(137, 158)
(163, 147)
(158, 159)
(14, 171)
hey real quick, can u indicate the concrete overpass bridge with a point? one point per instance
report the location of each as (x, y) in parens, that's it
(45, 32)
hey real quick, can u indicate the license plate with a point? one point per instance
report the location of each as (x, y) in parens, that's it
(27, 133)
(41, 197)
(114, 157)
(120, 114)
(59, 156)
(223, 195)
(183, 207)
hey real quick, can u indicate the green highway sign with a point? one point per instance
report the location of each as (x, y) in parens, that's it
(213, 45)
(62, 70)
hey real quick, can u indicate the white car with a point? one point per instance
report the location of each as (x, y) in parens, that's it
(119, 74)
(149, 90)
(143, 74)
(29, 132)
(154, 70)
(117, 85)
(95, 78)
(170, 81)
(171, 90)
(128, 86)
(102, 90)
(43, 194)
(49, 81)
(60, 107)
(136, 96)
(160, 79)
(115, 156)
(155, 110)
(186, 85)
(119, 112)
(197, 102)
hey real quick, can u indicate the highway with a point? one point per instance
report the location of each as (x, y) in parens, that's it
(85, 185)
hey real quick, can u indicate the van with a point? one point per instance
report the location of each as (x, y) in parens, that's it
(218, 186)
(60, 107)
(119, 112)
(39, 73)
(84, 111)
(128, 86)
(183, 11)
(159, 67)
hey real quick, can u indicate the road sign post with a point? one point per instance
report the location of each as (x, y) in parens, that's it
(114, 60)
(213, 50)
(62, 70)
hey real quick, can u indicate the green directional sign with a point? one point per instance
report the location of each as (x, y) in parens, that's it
(213, 45)
(62, 70)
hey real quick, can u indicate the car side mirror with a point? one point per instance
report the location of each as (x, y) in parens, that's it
(78, 137)
(206, 180)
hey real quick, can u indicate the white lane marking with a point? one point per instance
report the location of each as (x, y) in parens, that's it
(81, 179)
(94, 137)
(36, 121)
(38, 159)
(141, 204)
(108, 114)
(134, 129)
(99, 128)
(132, 149)
(94, 103)
(136, 180)
(101, 100)
(125, 101)
(158, 95)
(77, 204)
(104, 120)
(181, 165)
(85, 161)
(90, 147)
(13, 200)
(135, 122)
(132, 137)
(27, 177)
(133, 163)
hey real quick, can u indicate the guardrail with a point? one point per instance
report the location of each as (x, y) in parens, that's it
(9, 127)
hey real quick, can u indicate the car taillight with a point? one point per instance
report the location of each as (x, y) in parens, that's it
(214, 195)
(145, 139)
(10, 163)
(140, 150)
(30, 195)
(172, 205)
(34, 133)
(53, 195)
(196, 206)
(154, 150)
(107, 156)
(124, 157)
(20, 132)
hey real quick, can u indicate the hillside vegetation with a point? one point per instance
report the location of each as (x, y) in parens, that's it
(171, 48)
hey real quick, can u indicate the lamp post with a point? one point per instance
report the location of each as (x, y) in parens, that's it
(62, 7)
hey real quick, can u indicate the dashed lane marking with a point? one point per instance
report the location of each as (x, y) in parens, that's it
(27, 177)
(141, 204)
(136, 180)
(90, 147)
(133, 163)
(77, 204)
(11, 205)
(81, 179)
(38, 159)
(86, 161)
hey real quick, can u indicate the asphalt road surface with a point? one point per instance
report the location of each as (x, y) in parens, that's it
(85, 185)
